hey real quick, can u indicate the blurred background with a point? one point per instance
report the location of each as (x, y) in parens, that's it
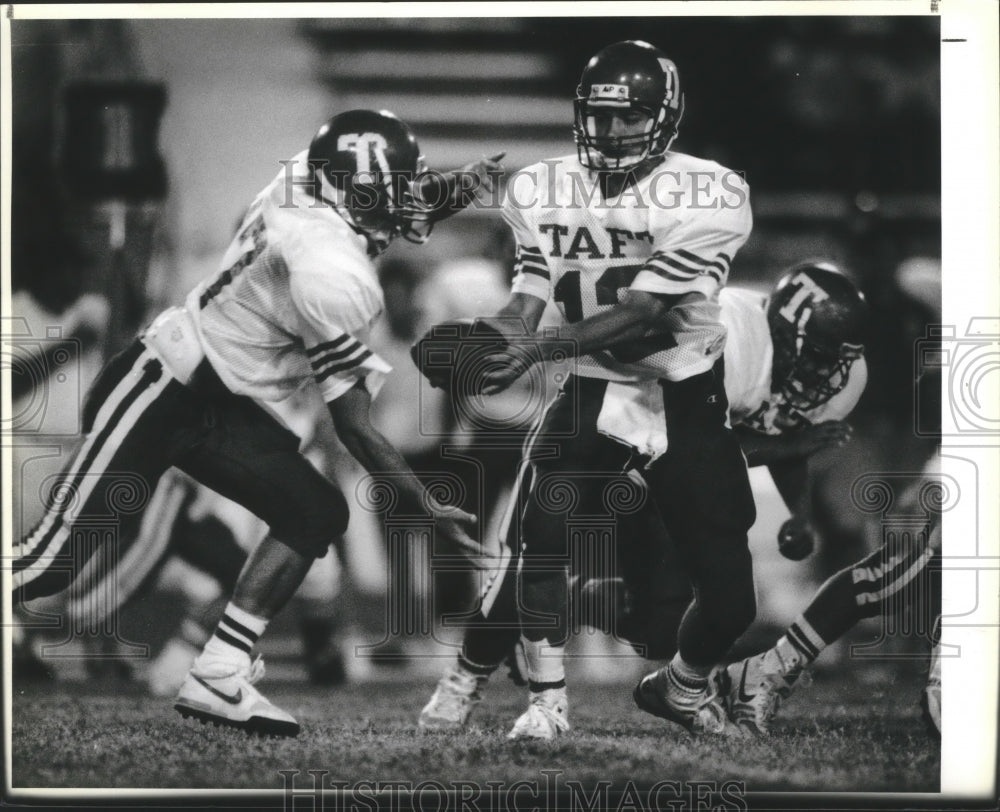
(137, 145)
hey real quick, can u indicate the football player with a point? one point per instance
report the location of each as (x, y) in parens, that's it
(794, 370)
(904, 573)
(291, 306)
(633, 242)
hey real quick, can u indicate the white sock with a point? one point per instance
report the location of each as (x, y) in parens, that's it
(545, 664)
(795, 650)
(234, 637)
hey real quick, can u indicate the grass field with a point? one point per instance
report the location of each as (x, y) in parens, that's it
(840, 734)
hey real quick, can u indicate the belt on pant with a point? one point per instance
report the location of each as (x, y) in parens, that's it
(174, 338)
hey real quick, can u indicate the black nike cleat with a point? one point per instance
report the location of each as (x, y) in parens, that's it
(227, 697)
(698, 712)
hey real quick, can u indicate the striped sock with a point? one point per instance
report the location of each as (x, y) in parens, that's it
(685, 677)
(234, 637)
(795, 650)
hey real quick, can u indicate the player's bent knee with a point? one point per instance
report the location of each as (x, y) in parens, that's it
(310, 529)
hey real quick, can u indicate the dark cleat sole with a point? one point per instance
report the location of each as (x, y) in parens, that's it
(254, 725)
(645, 705)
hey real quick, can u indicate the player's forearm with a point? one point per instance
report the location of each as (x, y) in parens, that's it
(381, 459)
(791, 478)
(630, 320)
(519, 317)
(767, 449)
(446, 193)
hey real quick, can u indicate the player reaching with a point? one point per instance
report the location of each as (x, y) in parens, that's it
(794, 370)
(291, 307)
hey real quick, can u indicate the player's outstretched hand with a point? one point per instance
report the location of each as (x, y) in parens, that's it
(457, 527)
(796, 538)
(504, 367)
(481, 176)
(831, 434)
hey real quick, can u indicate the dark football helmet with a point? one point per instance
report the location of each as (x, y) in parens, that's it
(366, 162)
(627, 76)
(817, 319)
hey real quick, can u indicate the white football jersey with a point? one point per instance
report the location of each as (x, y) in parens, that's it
(633, 412)
(294, 300)
(674, 232)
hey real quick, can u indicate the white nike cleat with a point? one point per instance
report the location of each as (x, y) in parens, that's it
(753, 692)
(456, 695)
(698, 712)
(546, 718)
(223, 694)
(930, 699)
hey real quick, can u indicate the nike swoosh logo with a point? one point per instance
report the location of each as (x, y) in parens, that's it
(741, 693)
(232, 700)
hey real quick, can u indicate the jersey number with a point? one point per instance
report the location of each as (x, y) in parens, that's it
(256, 234)
(608, 287)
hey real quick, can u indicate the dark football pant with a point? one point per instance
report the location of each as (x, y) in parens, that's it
(700, 487)
(643, 606)
(139, 420)
(106, 585)
(904, 574)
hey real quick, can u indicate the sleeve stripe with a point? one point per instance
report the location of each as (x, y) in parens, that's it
(531, 260)
(319, 363)
(657, 267)
(720, 261)
(536, 272)
(333, 370)
(328, 345)
(537, 263)
(718, 274)
(659, 262)
(671, 267)
(691, 257)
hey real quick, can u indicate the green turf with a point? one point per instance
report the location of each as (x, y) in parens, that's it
(837, 735)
